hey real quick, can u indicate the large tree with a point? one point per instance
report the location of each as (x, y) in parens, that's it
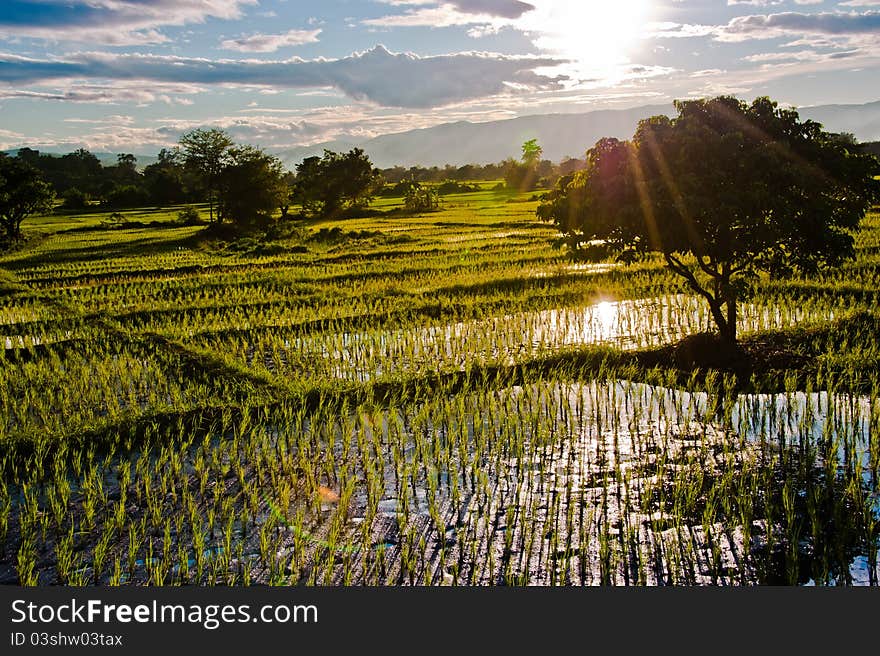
(325, 185)
(22, 193)
(250, 186)
(164, 179)
(205, 152)
(723, 191)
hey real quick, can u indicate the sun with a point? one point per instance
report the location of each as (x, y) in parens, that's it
(597, 36)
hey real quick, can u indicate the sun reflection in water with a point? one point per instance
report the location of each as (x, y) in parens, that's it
(606, 313)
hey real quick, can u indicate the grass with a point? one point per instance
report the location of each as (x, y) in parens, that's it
(436, 399)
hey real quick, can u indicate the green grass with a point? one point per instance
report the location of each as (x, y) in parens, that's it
(441, 398)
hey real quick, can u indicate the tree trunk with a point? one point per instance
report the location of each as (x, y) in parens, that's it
(729, 294)
(13, 227)
(731, 318)
(720, 320)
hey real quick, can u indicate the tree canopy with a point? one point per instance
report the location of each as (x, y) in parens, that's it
(531, 152)
(325, 185)
(723, 191)
(22, 193)
(250, 186)
(204, 152)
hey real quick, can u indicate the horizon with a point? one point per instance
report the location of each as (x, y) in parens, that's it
(132, 76)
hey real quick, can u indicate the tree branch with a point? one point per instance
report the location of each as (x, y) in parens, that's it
(681, 269)
(709, 271)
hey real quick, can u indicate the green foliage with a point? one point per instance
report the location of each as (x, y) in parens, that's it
(432, 401)
(74, 199)
(723, 191)
(166, 180)
(205, 153)
(531, 152)
(115, 220)
(453, 187)
(421, 199)
(250, 186)
(326, 185)
(127, 196)
(22, 193)
(190, 215)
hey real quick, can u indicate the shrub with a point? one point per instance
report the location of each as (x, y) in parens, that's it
(190, 216)
(421, 199)
(74, 199)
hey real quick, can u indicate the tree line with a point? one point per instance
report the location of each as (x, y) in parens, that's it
(243, 184)
(178, 175)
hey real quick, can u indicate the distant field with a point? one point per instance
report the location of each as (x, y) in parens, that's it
(432, 399)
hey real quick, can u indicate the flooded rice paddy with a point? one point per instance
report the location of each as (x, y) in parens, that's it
(584, 483)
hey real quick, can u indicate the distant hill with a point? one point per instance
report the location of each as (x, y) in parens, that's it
(560, 135)
(861, 120)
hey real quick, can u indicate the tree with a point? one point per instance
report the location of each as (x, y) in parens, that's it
(22, 193)
(724, 191)
(421, 199)
(289, 181)
(164, 179)
(74, 199)
(205, 152)
(523, 175)
(250, 186)
(325, 185)
(531, 152)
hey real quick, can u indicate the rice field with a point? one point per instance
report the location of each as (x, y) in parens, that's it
(440, 399)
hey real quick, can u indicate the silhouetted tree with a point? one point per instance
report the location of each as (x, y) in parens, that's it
(723, 191)
(165, 179)
(205, 152)
(22, 193)
(74, 199)
(250, 185)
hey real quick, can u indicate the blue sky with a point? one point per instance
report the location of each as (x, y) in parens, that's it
(132, 75)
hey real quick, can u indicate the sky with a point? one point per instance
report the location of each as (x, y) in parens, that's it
(133, 75)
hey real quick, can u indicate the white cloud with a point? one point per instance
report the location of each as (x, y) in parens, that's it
(773, 26)
(469, 11)
(9, 139)
(113, 22)
(377, 75)
(108, 94)
(271, 42)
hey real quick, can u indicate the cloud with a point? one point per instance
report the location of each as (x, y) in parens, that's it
(377, 75)
(772, 26)
(109, 22)
(8, 138)
(271, 42)
(108, 94)
(490, 14)
(493, 8)
(775, 25)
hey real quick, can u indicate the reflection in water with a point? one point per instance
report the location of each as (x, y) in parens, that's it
(626, 324)
(606, 312)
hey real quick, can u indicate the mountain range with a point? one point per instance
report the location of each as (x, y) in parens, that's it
(560, 136)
